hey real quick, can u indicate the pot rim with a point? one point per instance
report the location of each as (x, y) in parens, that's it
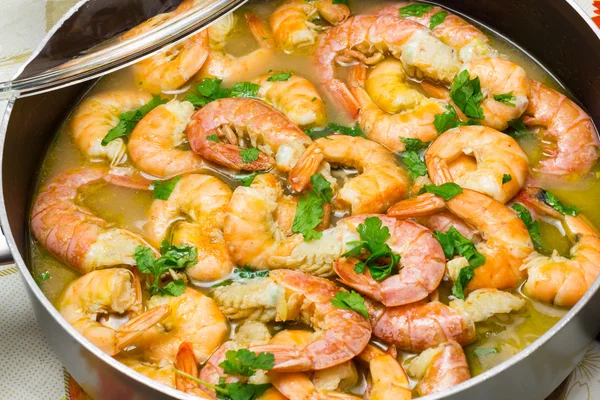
(140, 378)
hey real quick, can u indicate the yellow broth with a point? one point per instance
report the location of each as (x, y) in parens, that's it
(505, 334)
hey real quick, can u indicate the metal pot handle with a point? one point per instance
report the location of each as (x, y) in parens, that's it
(5, 254)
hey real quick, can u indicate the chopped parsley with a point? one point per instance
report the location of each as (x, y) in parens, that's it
(244, 89)
(309, 211)
(351, 301)
(446, 190)
(332, 128)
(373, 236)
(411, 158)
(437, 18)
(249, 273)
(162, 190)
(44, 276)
(532, 226)
(466, 94)
(415, 10)
(559, 206)
(280, 77)
(484, 351)
(506, 178)
(231, 391)
(519, 128)
(172, 257)
(128, 120)
(247, 180)
(453, 243)
(213, 138)
(344, 2)
(506, 98)
(449, 120)
(249, 155)
(208, 90)
(245, 362)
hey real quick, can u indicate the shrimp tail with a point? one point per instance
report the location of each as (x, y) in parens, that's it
(260, 31)
(363, 283)
(307, 165)
(288, 358)
(420, 206)
(127, 333)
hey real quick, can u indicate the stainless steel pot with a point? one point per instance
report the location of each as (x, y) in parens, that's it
(555, 32)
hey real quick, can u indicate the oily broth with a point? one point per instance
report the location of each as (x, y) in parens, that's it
(506, 334)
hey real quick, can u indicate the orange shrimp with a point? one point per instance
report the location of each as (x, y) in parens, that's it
(569, 138)
(380, 181)
(419, 326)
(440, 368)
(422, 259)
(280, 141)
(367, 37)
(444, 220)
(559, 280)
(388, 379)
(186, 362)
(72, 233)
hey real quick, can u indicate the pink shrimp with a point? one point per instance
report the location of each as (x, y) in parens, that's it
(72, 233)
(280, 141)
(422, 259)
(419, 326)
(367, 37)
(570, 141)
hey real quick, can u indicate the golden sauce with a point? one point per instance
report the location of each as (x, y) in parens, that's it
(501, 337)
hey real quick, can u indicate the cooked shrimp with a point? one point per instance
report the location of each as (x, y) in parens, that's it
(367, 38)
(389, 109)
(72, 233)
(482, 304)
(162, 373)
(444, 220)
(507, 241)
(280, 141)
(292, 24)
(439, 368)
(422, 261)
(297, 98)
(569, 139)
(419, 326)
(203, 199)
(298, 385)
(195, 319)
(380, 182)
(172, 68)
(388, 379)
(105, 292)
(153, 144)
(340, 334)
(220, 31)
(454, 31)
(186, 362)
(559, 280)
(496, 155)
(97, 115)
(231, 69)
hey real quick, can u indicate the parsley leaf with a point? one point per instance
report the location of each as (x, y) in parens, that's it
(446, 191)
(247, 180)
(506, 98)
(437, 19)
(373, 236)
(449, 120)
(128, 120)
(44, 276)
(208, 90)
(415, 165)
(172, 257)
(280, 77)
(351, 301)
(453, 243)
(466, 94)
(244, 89)
(506, 178)
(309, 211)
(231, 391)
(332, 128)
(213, 138)
(162, 189)
(559, 206)
(344, 2)
(532, 226)
(245, 362)
(519, 128)
(249, 155)
(249, 273)
(484, 351)
(415, 10)
(411, 144)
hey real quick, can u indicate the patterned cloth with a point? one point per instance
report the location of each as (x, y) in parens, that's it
(29, 370)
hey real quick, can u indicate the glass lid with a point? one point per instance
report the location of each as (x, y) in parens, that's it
(96, 37)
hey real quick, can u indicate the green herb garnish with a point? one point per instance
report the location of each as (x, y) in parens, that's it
(231, 391)
(128, 120)
(532, 226)
(244, 89)
(506, 178)
(449, 120)
(518, 127)
(415, 10)
(466, 94)
(44, 276)
(414, 163)
(309, 211)
(332, 128)
(506, 98)
(559, 206)
(344, 2)
(446, 190)
(373, 236)
(208, 90)
(249, 155)
(351, 301)
(484, 351)
(280, 77)
(245, 362)
(162, 189)
(247, 180)
(437, 19)
(249, 273)
(213, 138)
